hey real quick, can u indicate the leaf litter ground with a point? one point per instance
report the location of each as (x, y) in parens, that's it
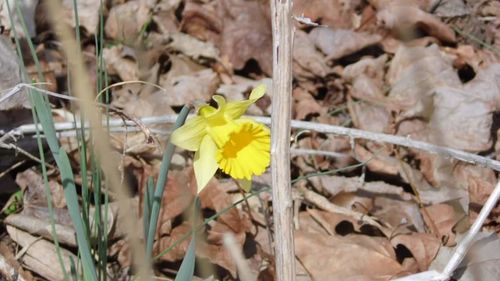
(410, 68)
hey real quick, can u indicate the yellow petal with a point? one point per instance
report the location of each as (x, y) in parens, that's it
(220, 100)
(247, 151)
(205, 164)
(206, 110)
(258, 92)
(220, 130)
(235, 109)
(189, 135)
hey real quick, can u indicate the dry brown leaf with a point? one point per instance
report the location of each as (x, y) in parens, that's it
(441, 171)
(332, 13)
(121, 250)
(34, 190)
(414, 74)
(28, 10)
(462, 116)
(486, 85)
(144, 104)
(179, 65)
(337, 43)
(412, 128)
(370, 117)
(246, 33)
(391, 45)
(379, 163)
(179, 90)
(424, 247)
(215, 250)
(164, 15)
(41, 255)
(9, 77)
(202, 21)
(121, 61)
(422, 4)
(41, 226)
(193, 47)
(436, 169)
(396, 213)
(461, 120)
(479, 181)
(313, 225)
(452, 8)
(125, 21)
(337, 184)
(331, 257)
(215, 198)
(88, 13)
(441, 218)
(465, 55)
(480, 262)
(186, 89)
(178, 252)
(305, 106)
(405, 20)
(323, 222)
(10, 267)
(309, 61)
(235, 221)
(178, 196)
(367, 79)
(426, 193)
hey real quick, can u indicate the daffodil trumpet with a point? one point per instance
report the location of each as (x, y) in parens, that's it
(222, 138)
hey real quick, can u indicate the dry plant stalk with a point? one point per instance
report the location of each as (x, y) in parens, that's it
(280, 139)
(82, 90)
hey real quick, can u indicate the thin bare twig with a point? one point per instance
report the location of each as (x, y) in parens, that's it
(326, 205)
(318, 127)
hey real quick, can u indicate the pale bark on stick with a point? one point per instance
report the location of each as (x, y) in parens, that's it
(296, 124)
(280, 139)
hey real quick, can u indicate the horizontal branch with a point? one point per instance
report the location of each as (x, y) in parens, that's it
(318, 127)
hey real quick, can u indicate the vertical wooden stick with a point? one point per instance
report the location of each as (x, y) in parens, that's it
(280, 139)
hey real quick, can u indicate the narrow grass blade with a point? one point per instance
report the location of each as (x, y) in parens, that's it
(148, 201)
(160, 185)
(186, 271)
(63, 163)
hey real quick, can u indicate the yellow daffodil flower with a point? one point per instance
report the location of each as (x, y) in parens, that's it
(221, 138)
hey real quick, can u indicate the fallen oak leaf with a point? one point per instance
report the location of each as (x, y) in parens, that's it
(246, 33)
(337, 43)
(405, 20)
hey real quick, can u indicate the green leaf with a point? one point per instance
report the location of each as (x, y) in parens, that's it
(186, 271)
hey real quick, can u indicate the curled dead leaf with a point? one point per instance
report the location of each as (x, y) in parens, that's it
(309, 61)
(125, 20)
(331, 257)
(423, 246)
(405, 20)
(246, 33)
(337, 43)
(441, 218)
